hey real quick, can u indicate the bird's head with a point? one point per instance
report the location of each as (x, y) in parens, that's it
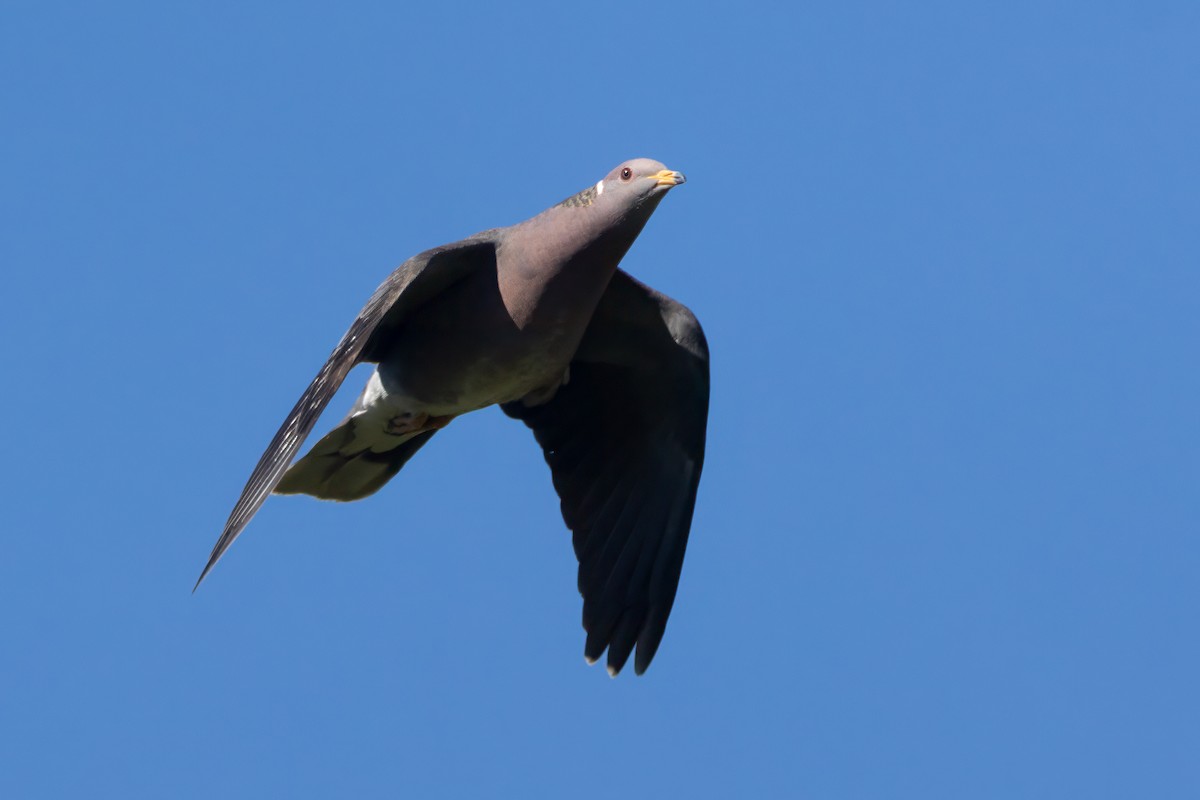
(628, 187)
(632, 183)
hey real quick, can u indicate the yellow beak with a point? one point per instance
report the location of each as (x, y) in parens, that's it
(668, 177)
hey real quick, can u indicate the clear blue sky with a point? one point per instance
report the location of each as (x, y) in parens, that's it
(946, 544)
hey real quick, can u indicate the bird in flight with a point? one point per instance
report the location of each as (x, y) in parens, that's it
(610, 375)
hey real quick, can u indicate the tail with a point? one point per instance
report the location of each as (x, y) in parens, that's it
(347, 464)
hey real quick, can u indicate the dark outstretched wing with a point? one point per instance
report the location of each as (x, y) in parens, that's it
(414, 282)
(624, 439)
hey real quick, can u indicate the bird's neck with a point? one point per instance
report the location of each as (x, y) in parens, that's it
(576, 250)
(593, 234)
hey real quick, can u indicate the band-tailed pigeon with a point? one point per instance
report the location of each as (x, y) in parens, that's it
(611, 376)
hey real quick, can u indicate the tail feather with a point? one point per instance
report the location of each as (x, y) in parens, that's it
(346, 466)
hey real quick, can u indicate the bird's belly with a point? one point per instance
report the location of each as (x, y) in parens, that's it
(454, 373)
(468, 349)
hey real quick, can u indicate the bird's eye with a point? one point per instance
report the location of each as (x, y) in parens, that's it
(626, 173)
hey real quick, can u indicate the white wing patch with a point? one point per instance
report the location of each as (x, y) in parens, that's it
(599, 187)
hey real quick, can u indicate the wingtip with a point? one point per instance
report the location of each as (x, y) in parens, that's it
(203, 575)
(612, 670)
(213, 558)
(218, 550)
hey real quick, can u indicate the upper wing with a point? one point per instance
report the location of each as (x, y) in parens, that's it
(624, 439)
(412, 283)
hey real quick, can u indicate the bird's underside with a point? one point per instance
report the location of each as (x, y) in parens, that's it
(610, 376)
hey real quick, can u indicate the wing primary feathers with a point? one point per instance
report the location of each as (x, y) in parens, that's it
(282, 450)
